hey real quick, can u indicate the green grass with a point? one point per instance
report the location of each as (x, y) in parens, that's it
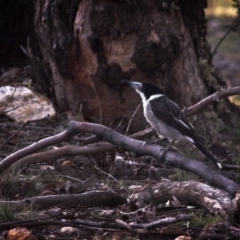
(18, 185)
(6, 213)
(185, 176)
(202, 219)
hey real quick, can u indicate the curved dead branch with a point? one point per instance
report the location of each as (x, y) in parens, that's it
(173, 158)
(221, 93)
(68, 150)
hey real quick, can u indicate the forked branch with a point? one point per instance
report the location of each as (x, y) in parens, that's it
(221, 93)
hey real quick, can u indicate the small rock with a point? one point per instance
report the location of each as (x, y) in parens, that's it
(22, 104)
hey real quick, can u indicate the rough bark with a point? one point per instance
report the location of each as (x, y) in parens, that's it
(192, 192)
(89, 46)
(88, 199)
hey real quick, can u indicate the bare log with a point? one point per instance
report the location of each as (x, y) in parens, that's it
(192, 192)
(89, 199)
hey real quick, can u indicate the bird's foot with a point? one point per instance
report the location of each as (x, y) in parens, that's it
(160, 141)
(166, 149)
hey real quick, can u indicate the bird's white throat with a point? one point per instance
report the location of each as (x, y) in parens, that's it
(144, 100)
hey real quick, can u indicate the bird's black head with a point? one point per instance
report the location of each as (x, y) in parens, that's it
(145, 89)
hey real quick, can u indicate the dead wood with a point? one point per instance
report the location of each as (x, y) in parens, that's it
(190, 192)
(94, 225)
(69, 150)
(221, 93)
(139, 135)
(62, 221)
(89, 199)
(173, 158)
(159, 222)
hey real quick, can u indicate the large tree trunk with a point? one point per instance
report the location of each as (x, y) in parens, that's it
(89, 46)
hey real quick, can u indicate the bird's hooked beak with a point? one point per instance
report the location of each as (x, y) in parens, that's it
(135, 85)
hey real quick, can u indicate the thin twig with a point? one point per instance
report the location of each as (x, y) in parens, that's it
(109, 175)
(99, 103)
(129, 123)
(71, 178)
(15, 133)
(225, 35)
(10, 110)
(11, 97)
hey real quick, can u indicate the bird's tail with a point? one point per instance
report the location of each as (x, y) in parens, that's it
(208, 154)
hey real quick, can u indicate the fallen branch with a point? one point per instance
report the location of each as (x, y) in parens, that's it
(173, 158)
(192, 192)
(69, 150)
(96, 225)
(62, 221)
(144, 227)
(94, 198)
(163, 221)
(72, 150)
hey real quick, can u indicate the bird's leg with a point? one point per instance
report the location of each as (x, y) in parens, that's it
(161, 141)
(167, 148)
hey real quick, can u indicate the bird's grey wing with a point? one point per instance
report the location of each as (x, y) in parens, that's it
(172, 115)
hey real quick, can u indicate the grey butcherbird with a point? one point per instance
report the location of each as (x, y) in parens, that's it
(166, 117)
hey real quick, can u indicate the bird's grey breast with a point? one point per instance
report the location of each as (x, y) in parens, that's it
(161, 127)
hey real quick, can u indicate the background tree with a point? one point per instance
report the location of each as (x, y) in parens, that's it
(79, 51)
